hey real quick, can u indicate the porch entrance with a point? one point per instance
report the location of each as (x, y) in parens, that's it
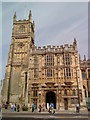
(51, 97)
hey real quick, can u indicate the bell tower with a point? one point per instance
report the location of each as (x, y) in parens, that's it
(24, 28)
(18, 59)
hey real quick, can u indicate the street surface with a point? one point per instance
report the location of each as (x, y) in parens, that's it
(45, 116)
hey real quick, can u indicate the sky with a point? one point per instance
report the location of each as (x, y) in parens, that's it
(45, 0)
(56, 23)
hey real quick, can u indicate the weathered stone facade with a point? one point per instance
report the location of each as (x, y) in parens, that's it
(42, 75)
(0, 91)
(85, 69)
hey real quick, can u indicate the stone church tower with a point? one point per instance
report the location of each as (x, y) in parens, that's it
(16, 70)
(42, 75)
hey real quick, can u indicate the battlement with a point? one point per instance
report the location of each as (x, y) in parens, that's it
(22, 21)
(49, 48)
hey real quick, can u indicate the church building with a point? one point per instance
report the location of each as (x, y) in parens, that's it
(43, 74)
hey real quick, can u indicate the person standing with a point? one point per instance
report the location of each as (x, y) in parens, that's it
(29, 107)
(0, 108)
(43, 107)
(32, 107)
(48, 106)
(77, 108)
(11, 107)
(40, 107)
(18, 107)
(15, 107)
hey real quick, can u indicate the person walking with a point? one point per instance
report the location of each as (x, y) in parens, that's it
(51, 109)
(51, 105)
(11, 107)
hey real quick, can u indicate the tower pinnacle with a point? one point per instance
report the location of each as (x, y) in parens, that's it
(84, 57)
(14, 17)
(79, 58)
(75, 44)
(30, 16)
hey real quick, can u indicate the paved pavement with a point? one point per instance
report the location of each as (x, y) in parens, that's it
(61, 111)
(59, 115)
(44, 116)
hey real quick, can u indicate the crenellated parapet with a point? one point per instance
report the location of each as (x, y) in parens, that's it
(56, 49)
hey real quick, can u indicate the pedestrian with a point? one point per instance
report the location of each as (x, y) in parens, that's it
(23, 107)
(77, 108)
(29, 107)
(6, 105)
(48, 106)
(0, 108)
(12, 107)
(15, 107)
(33, 107)
(51, 105)
(51, 109)
(40, 107)
(18, 107)
(43, 107)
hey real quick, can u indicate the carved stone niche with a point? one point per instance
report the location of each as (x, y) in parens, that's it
(50, 85)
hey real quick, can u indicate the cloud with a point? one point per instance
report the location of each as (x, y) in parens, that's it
(45, 1)
(55, 24)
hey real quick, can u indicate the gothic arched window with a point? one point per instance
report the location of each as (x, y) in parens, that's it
(65, 92)
(74, 92)
(22, 28)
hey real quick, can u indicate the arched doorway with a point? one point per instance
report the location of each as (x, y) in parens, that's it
(51, 97)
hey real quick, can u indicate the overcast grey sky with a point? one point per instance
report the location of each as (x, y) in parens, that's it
(55, 24)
